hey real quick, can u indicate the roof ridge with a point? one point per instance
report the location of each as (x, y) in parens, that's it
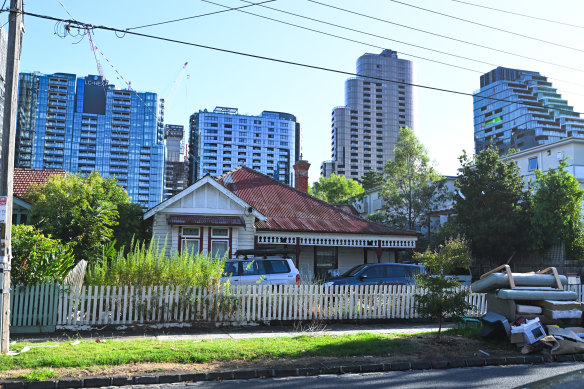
(332, 206)
(225, 174)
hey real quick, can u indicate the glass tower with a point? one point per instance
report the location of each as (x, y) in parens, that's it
(365, 130)
(224, 139)
(85, 124)
(520, 109)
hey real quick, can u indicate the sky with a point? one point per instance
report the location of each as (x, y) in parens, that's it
(443, 121)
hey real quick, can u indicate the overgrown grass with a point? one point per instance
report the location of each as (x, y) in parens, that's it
(151, 266)
(119, 352)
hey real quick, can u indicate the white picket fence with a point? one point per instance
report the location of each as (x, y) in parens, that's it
(579, 289)
(94, 306)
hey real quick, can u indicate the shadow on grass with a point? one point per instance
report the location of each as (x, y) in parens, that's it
(358, 346)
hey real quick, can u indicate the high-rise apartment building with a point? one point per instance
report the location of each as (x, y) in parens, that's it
(377, 103)
(175, 166)
(84, 124)
(225, 139)
(520, 109)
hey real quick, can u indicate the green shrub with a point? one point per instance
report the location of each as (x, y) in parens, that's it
(441, 297)
(150, 266)
(38, 258)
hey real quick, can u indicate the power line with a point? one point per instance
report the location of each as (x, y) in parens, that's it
(198, 16)
(345, 38)
(381, 37)
(442, 36)
(519, 14)
(364, 32)
(487, 26)
(77, 24)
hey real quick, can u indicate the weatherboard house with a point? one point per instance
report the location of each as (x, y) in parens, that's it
(244, 209)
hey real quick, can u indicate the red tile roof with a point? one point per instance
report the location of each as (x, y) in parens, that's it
(288, 209)
(24, 178)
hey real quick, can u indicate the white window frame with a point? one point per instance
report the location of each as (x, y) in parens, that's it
(185, 244)
(213, 235)
(190, 238)
(213, 241)
(529, 163)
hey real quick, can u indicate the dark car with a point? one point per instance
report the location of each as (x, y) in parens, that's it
(378, 274)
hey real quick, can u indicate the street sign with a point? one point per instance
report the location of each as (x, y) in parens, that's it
(3, 200)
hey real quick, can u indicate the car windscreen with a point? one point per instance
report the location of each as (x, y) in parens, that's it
(354, 270)
(403, 271)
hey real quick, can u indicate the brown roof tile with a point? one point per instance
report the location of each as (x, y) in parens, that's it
(24, 178)
(288, 209)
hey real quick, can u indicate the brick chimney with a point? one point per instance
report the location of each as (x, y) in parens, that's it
(301, 175)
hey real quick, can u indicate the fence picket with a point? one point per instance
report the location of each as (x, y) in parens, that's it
(123, 305)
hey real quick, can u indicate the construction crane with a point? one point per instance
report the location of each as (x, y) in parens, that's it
(94, 49)
(176, 83)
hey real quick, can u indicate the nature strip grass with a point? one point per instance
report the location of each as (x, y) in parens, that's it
(119, 352)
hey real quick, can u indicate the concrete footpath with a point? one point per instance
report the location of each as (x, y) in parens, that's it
(246, 332)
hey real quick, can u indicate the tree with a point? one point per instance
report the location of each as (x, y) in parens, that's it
(411, 187)
(336, 189)
(130, 226)
(371, 179)
(442, 298)
(38, 258)
(491, 205)
(79, 210)
(556, 212)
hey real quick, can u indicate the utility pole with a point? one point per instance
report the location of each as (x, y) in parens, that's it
(7, 166)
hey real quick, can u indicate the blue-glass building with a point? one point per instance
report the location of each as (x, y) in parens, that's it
(84, 124)
(222, 140)
(521, 109)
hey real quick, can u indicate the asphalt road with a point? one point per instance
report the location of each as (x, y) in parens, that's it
(499, 377)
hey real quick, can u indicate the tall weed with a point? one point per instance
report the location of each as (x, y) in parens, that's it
(151, 266)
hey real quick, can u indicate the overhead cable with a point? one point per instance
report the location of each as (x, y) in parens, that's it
(487, 26)
(519, 14)
(78, 24)
(198, 16)
(347, 39)
(498, 50)
(364, 33)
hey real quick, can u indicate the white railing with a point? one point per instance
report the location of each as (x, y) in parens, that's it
(579, 289)
(94, 306)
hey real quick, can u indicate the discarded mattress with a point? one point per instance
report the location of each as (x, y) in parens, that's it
(566, 314)
(559, 305)
(528, 309)
(536, 294)
(499, 280)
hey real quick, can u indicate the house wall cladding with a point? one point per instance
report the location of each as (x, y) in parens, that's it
(206, 201)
